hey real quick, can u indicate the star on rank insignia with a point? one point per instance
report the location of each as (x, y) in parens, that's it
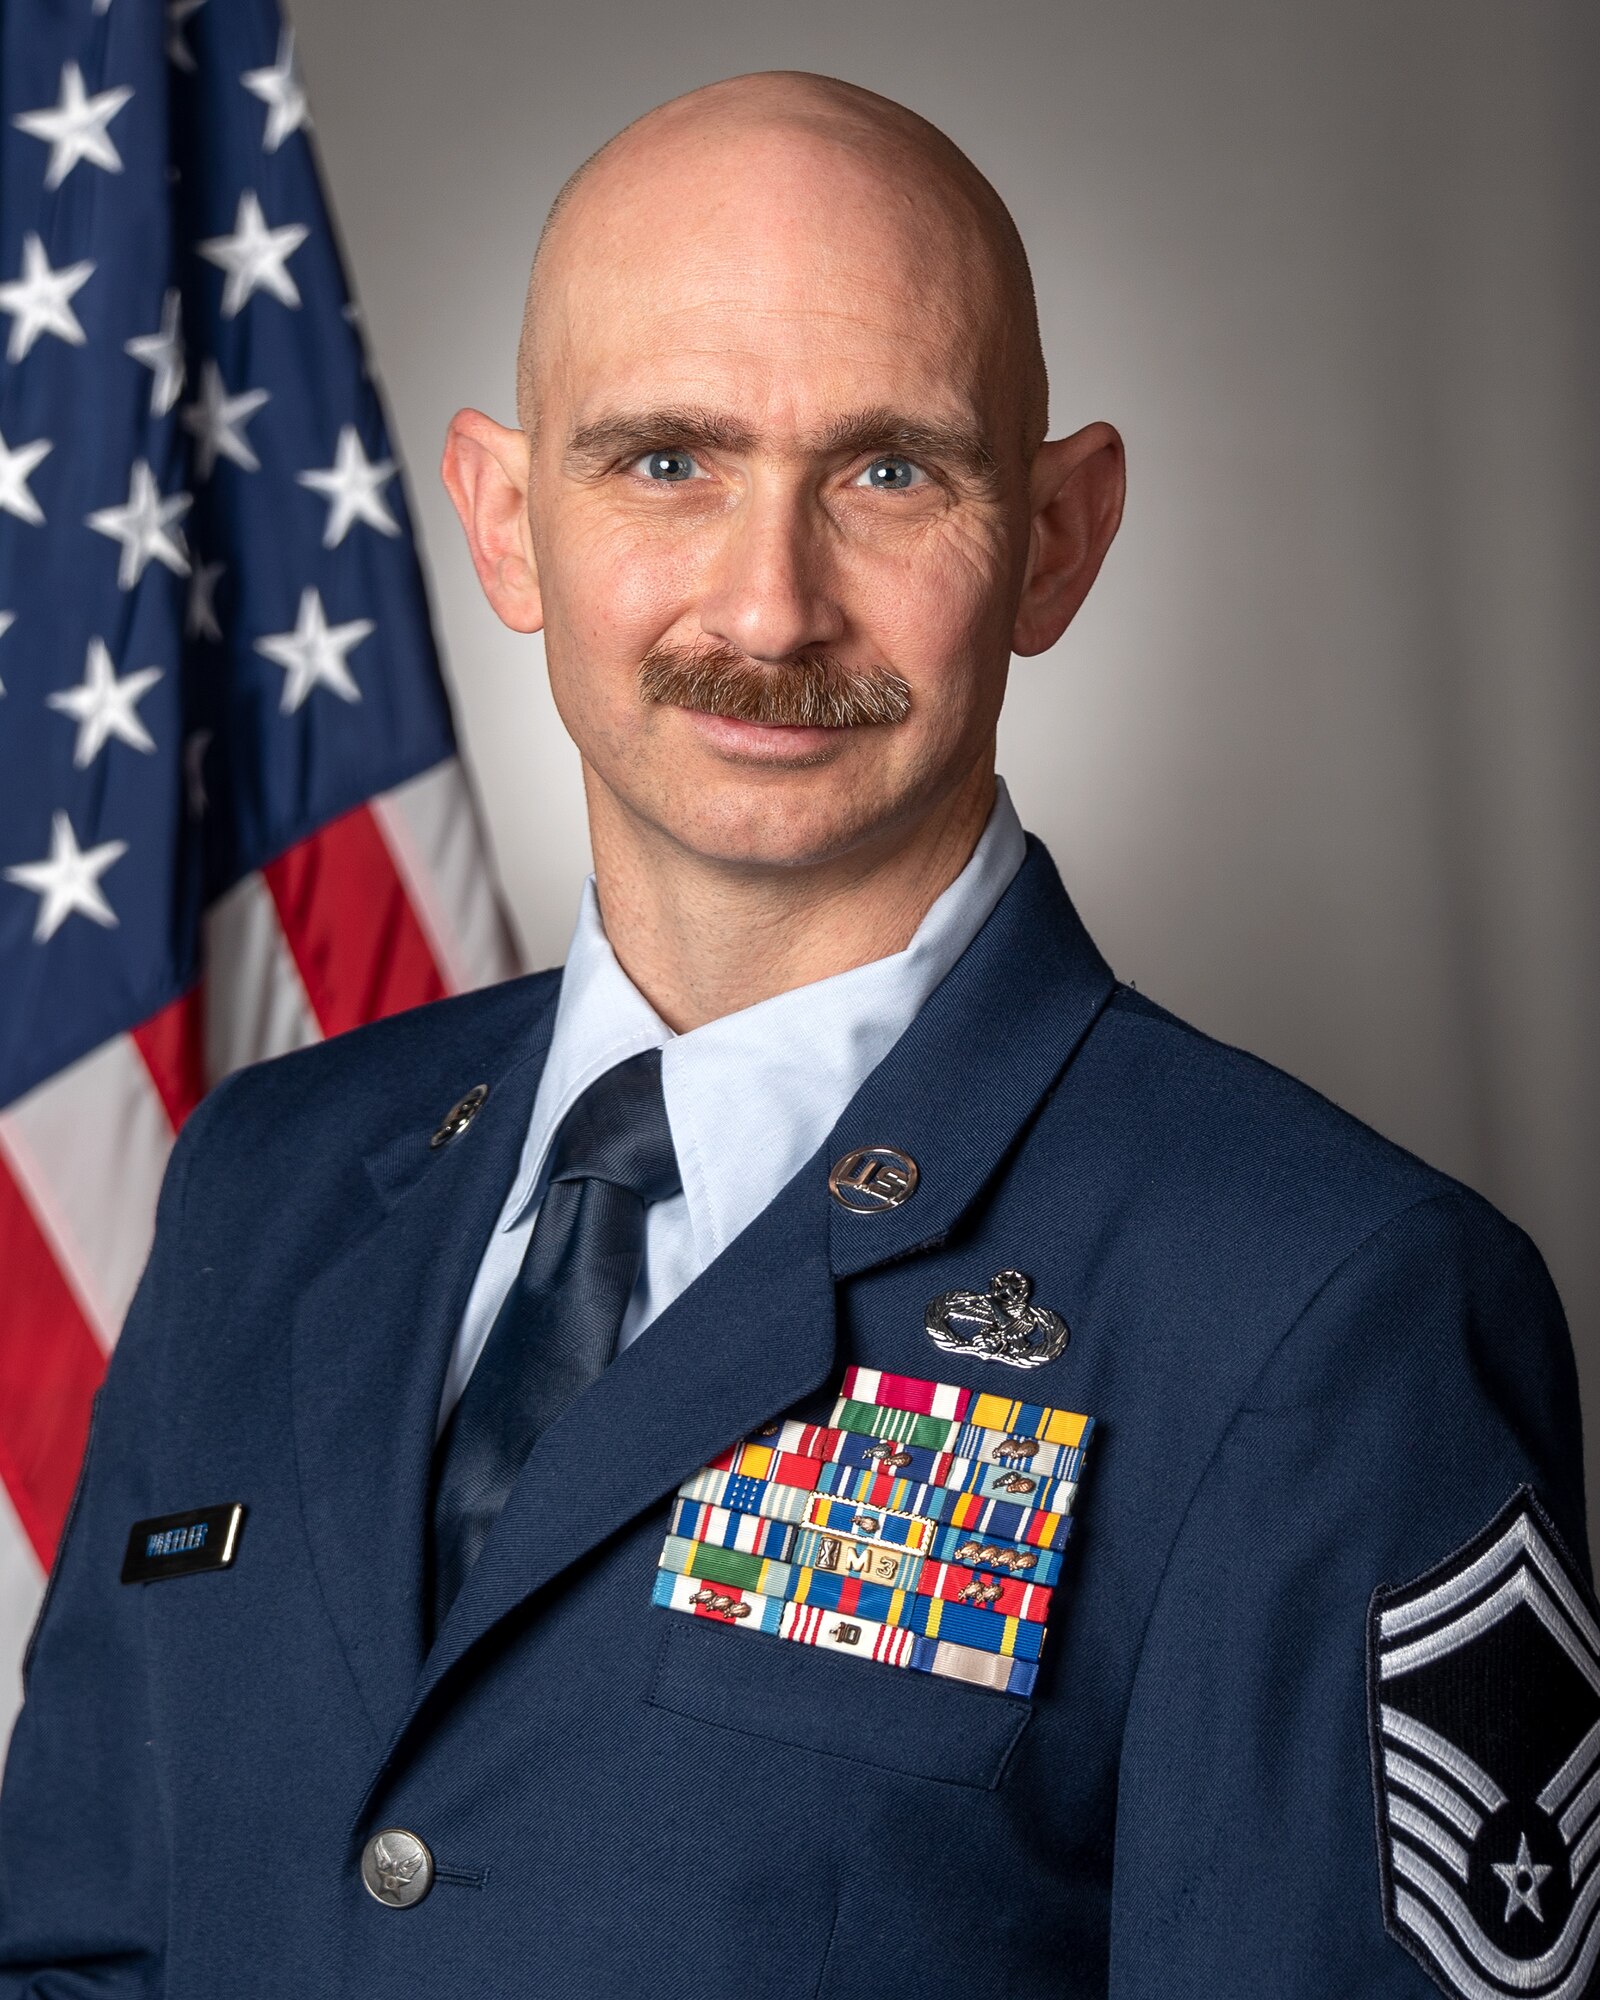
(1485, 1711)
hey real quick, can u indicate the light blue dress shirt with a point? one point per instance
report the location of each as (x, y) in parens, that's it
(749, 1097)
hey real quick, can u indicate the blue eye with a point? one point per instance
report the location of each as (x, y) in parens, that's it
(891, 475)
(667, 467)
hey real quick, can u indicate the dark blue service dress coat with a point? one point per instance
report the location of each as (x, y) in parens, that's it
(1322, 1652)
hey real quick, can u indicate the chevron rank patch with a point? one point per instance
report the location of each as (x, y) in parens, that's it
(921, 1526)
(1484, 1681)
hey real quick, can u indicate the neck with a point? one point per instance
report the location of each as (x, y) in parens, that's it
(701, 938)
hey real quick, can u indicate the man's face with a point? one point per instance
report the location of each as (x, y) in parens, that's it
(769, 428)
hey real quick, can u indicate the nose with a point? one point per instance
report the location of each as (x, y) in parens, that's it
(771, 593)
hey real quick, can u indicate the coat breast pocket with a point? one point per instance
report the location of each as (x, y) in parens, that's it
(760, 1685)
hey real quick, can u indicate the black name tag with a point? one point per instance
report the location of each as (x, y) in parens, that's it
(182, 1544)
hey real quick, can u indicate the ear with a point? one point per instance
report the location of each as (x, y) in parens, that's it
(1076, 492)
(485, 471)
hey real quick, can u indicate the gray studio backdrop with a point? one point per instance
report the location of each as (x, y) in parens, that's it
(1318, 760)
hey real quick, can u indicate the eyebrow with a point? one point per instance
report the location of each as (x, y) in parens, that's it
(688, 427)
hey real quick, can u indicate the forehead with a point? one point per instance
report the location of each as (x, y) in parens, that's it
(781, 273)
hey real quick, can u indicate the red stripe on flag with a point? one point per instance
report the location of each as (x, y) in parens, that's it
(173, 1046)
(350, 926)
(50, 1367)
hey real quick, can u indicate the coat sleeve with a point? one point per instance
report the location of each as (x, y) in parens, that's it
(1425, 1389)
(83, 1846)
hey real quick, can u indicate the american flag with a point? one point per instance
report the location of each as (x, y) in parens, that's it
(231, 816)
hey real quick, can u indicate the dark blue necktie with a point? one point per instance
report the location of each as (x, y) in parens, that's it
(558, 1327)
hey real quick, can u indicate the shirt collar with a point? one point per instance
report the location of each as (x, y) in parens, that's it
(752, 1095)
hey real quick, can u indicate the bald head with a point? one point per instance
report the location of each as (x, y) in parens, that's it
(781, 503)
(798, 165)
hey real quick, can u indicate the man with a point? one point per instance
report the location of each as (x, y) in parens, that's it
(592, 1462)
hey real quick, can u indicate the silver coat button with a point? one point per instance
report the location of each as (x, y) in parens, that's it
(397, 1868)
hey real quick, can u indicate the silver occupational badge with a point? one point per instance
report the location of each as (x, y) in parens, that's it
(998, 1325)
(1485, 1697)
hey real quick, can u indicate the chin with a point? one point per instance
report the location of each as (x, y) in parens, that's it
(795, 819)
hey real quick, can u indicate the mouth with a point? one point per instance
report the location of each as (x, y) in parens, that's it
(775, 744)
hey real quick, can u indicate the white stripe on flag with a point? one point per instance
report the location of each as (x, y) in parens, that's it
(431, 827)
(21, 1589)
(255, 1002)
(88, 1147)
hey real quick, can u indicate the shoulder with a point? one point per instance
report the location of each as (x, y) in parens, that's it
(1223, 1126)
(408, 1067)
(1248, 1189)
(1209, 1109)
(1284, 1263)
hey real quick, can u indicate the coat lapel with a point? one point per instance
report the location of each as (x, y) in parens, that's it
(755, 1333)
(969, 1073)
(371, 1338)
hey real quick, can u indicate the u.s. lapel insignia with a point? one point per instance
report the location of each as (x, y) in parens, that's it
(1484, 1679)
(460, 1115)
(871, 1180)
(998, 1325)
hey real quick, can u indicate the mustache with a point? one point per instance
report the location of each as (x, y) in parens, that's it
(810, 691)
